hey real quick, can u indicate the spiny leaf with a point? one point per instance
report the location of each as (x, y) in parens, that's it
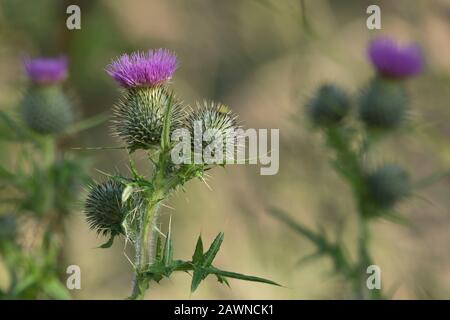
(197, 258)
(197, 277)
(223, 280)
(179, 265)
(283, 217)
(213, 249)
(239, 276)
(168, 249)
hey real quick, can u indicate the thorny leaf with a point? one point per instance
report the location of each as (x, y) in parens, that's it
(201, 265)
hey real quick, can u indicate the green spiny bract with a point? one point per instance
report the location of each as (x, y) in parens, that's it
(329, 106)
(387, 185)
(139, 116)
(104, 209)
(46, 109)
(383, 105)
(216, 118)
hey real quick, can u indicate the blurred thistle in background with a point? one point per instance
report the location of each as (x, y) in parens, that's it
(263, 57)
(375, 192)
(41, 183)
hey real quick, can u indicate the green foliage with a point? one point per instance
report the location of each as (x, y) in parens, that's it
(200, 265)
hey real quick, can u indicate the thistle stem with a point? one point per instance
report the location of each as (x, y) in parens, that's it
(145, 253)
(48, 151)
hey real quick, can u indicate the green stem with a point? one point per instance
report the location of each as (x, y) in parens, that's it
(145, 253)
(48, 150)
(145, 249)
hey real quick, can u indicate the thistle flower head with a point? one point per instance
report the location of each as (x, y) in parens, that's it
(46, 110)
(139, 116)
(104, 209)
(387, 185)
(329, 106)
(394, 60)
(45, 71)
(383, 105)
(143, 69)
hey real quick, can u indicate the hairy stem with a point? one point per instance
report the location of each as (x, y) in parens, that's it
(145, 253)
(145, 249)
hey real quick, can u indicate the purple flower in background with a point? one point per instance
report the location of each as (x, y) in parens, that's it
(46, 70)
(143, 69)
(393, 60)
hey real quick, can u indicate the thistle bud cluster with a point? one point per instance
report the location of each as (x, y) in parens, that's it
(382, 107)
(146, 118)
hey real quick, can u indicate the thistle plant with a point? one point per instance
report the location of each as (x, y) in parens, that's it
(149, 117)
(382, 108)
(40, 182)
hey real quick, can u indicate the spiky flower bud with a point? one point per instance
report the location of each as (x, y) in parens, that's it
(383, 105)
(139, 116)
(387, 185)
(104, 209)
(45, 108)
(214, 118)
(328, 106)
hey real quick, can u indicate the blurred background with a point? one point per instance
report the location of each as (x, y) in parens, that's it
(264, 58)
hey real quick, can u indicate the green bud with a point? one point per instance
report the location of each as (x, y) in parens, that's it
(328, 106)
(46, 110)
(383, 105)
(211, 116)
(387, 185)
(104, 209)
(139, 116)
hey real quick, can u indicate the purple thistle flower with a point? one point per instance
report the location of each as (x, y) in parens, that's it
(393, 60)
(143, 69)
(46, 70)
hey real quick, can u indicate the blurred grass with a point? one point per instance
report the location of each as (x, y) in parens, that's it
(263, 58)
